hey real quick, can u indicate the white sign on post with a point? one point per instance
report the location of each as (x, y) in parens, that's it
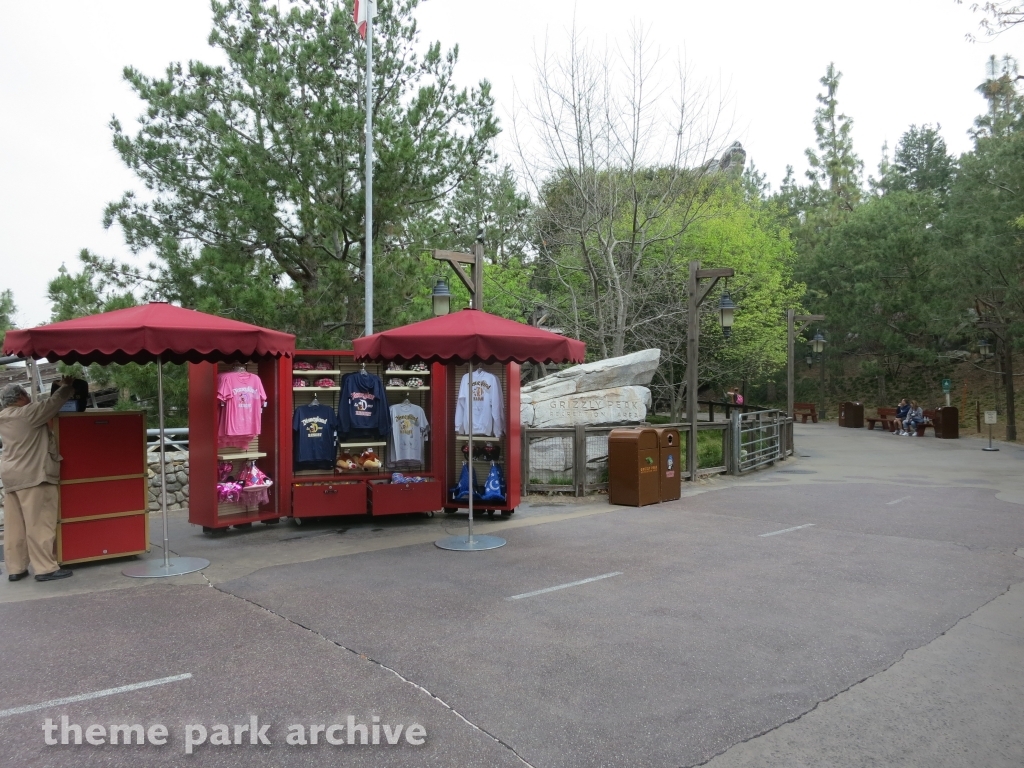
(990, 417)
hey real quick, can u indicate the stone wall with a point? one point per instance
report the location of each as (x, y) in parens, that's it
(177, 481)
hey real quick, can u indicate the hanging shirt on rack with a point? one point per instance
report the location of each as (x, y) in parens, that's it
(409, 429)
(314, 429)
(243, 398)
(488, 405)
(363, 407)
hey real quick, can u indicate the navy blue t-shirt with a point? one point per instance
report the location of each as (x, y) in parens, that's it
(315, 427)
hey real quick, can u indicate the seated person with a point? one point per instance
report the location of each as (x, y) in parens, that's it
(901, 413)
(915, 416)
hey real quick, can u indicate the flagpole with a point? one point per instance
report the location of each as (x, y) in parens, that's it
(368, 272)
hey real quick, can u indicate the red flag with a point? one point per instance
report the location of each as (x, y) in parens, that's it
(361, 12)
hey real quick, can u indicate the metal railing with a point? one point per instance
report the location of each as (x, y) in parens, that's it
(176, 439)
(575, 459)
(758, 439)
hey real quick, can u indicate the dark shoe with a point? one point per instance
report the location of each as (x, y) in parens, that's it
(17, 576)
(60, 573)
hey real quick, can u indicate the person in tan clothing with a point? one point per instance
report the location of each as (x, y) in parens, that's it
(30, 471)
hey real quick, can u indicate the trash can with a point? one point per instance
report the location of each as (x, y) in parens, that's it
(633, 467)
(947, 423)
(851, 415)
(669, 476)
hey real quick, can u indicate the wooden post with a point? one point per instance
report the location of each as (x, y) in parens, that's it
(692, 332)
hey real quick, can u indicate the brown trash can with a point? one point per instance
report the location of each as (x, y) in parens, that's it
(633, 467)
(947, 423)
(671, 469)
(851, 415)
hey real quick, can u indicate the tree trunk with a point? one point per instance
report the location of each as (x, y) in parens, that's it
(1011, 417)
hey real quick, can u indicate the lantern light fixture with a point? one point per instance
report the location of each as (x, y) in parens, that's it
(985, 348)
(442, 297)
(726, 311)
(818, 343)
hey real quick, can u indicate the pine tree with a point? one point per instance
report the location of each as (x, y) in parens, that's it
(835, 169)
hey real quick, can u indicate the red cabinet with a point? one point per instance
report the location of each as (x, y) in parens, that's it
(328, 499)
(387, 498)
(103, 490)
(103, 538)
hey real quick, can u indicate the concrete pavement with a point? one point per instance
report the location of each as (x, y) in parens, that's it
(856, 606)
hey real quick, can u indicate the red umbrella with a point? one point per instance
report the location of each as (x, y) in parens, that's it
(151, 333)
(147, 333)
(470, 336)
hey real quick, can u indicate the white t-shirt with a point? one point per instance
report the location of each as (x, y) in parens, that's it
(409, 429)
(488, 406)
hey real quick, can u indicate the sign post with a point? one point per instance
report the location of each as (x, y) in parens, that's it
(990, 419)
(947, 387)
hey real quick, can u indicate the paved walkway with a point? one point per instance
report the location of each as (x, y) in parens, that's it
(862, 604)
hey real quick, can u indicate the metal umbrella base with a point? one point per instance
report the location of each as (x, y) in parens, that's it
(174, 566)
(470, 543)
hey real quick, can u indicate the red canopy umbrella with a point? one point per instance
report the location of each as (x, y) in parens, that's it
(151, 333)
(470, 336)
(148, 333)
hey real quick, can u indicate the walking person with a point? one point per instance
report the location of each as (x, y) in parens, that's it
(30, 471)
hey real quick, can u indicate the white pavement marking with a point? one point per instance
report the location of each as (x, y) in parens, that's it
(786, 530)
(94, 695)
(564, 586)
(897, 501)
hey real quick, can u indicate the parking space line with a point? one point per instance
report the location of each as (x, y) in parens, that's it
(565, 586)
(897, 501)
(94, 695)
(786, 530)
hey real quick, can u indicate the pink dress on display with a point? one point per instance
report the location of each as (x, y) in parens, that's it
(242, 398)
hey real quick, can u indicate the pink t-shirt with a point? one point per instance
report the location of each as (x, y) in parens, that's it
(243, 398)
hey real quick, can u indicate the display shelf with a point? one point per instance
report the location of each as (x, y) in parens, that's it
(360, 445)
(316, 389)
(406, 373)
(464, 438)
(234, 456)
(407, 389)
(316, 373)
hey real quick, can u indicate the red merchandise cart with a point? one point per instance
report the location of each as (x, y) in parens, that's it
(337, 492)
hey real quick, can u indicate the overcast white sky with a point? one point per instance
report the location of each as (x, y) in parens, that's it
(903, 62)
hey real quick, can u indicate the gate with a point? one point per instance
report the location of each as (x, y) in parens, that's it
(758, 439)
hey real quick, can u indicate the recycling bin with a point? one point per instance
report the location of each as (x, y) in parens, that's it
(669, 475)
(851, 415)
(634, 464)
(947, 423)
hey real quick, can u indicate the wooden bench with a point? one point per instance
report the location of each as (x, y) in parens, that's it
(805, 410)
(929, 421)
(886, 418)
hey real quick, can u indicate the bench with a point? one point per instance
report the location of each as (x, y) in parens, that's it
(886, 418)
(805, 410)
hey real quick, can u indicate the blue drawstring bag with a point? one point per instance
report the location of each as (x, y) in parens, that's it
(494, 487)
(461, 491)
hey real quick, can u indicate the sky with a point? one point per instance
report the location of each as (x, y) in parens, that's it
(903, 62)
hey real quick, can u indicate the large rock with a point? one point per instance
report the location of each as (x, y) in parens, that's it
(605, 406)
(633, 370)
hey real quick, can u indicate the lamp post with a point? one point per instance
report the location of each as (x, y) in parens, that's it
(475, 282)
(792, 318)
(695, 295)
(818, 347)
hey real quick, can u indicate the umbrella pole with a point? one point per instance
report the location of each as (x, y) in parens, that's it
(470, 543)
(472, 485)
(163, 457)
(178, 566)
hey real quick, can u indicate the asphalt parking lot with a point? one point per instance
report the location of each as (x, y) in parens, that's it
(857, 606)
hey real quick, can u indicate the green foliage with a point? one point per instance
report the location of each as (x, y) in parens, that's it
(835, 169)
(254, 169)
(7, 310)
